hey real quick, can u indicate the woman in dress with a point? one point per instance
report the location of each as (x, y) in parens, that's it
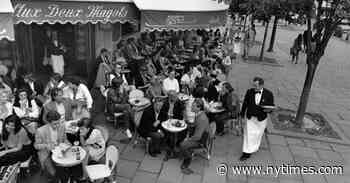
(17, 145)
(56, 52)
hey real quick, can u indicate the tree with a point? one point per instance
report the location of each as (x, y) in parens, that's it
(327, 19)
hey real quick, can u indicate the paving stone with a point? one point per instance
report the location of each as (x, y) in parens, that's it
(264, 144)
(314, 179)
(303, 152)
(277, 140)
(295, 141)
(122, 180)
(198, 164)
(171, 172)
(329, 155)
(127, 168)
(340, 148)
(144, 177)
(151, 164)
(210, 172)
(281, 153)
(261, 157)
(193, 178)
(133, 154)
(337, 178)
(317, 144)
(290, 180)
(252, 179)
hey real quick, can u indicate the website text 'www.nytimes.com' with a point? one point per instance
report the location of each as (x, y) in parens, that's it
(284, 169)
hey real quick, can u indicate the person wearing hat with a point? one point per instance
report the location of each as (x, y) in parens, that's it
(117, 102)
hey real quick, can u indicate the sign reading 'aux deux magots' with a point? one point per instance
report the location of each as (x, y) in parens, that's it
(73, 12)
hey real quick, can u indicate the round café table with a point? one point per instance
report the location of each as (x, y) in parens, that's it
(169, 125)
(69, 158)
(215, 108)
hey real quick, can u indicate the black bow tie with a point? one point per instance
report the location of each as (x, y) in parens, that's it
(257, 92)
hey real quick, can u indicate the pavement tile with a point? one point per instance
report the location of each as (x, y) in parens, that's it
(193, 178)
(127, 168)
(210, 172)
(337, 178)
(151, 164)
(340, 148)
(198, 164)
(314, 179)
(144, 177)
(281, 153)
(171, 172)
(286, 180)
(252, 179)
(317, 144)
(134, 154)
(277, 140)
(329, 155)
(123, 180)
(303, 152)
(295, 141)
(264, 144)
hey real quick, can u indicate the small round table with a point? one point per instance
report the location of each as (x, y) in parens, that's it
(69, 158)
(170, 127)
(216, 108)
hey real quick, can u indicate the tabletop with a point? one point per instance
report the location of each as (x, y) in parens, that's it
(169, 125)
(69, 158)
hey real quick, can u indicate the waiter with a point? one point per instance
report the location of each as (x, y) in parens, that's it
(254, 108)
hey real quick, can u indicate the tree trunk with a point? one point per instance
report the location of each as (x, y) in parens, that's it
(264, 40)
(273, 34)
(304, 98)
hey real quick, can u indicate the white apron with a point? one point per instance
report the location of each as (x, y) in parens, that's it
(252, 135)
(57, 64)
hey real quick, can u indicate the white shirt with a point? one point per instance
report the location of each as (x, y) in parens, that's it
(112, 76)
(258, 97)
(62, 111)
(31, 85)
(171, 84)
(188, 79)
(21, 112)
(54, 135)
(82, 93)
(196, 73)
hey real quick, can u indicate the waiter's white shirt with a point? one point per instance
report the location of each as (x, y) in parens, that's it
(258, 97)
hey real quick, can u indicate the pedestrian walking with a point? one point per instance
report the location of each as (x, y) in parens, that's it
(296, 48)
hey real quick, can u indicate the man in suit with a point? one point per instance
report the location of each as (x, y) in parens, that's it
(150, 126)
(254, 108)
(47, 138)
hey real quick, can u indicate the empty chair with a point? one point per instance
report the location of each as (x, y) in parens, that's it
(104, 171)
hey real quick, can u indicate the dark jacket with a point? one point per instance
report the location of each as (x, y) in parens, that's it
(38, 87)
(177, 111)
(146, 122)
(212, 93)
(250, 109)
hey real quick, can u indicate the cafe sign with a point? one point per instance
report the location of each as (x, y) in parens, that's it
(74, 12)
(151, 20)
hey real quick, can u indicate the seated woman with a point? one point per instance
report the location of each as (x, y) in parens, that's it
(150, 126)
(55, 82)
(24, 107)
(16, 141)
(117, 102)
(230, 102)
(171, 83)
(91, 139)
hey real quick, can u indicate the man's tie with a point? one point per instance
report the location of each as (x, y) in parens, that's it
(256, 92)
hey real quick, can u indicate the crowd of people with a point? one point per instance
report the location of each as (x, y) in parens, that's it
(156, 66)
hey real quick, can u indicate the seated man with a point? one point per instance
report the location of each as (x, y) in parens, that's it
(150, 126)
(201, 127)
(117, 102)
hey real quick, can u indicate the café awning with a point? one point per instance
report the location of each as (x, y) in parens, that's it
(181, 14)
(6, 20)
(75, 11)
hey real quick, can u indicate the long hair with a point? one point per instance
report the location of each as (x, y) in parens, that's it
(11, 119)
(16, 103)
